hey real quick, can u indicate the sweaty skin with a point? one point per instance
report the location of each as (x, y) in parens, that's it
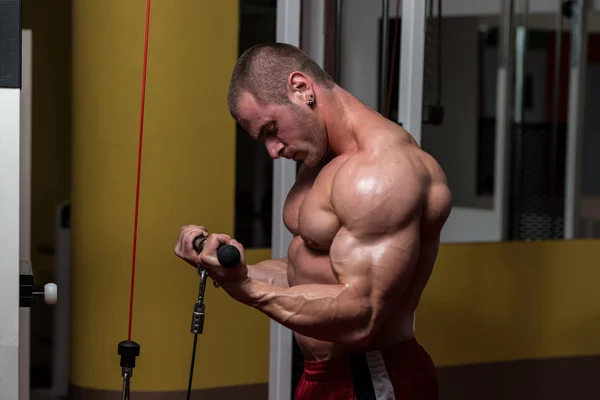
(366, 222)
(366, 235)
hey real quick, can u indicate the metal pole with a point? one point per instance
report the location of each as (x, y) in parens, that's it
(518, 181)
(410, 95)
(25, 232)
(504, 118)
(10, 194)
(579, 41)
(521, 56)
(384, 62)
(313, 29)
(284, 176)
(554, 198)
(338, 41)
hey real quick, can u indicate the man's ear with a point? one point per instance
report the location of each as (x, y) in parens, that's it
(300, 85)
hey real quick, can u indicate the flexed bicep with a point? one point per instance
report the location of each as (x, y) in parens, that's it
(377, 248)
(377, 268)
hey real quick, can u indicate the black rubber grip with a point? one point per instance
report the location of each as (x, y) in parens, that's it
(228, 255)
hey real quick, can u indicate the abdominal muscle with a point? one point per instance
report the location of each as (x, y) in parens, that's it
(308, 266)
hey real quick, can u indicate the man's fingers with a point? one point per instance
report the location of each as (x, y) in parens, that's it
(212, 244)
(187, 233)
(214, 241)
(207, 255)
(190, 234)
(198, 243)
(198, 229)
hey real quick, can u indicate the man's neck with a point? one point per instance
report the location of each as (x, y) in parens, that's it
(339, 114)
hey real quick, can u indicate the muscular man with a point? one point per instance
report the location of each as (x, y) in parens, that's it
(366, 213)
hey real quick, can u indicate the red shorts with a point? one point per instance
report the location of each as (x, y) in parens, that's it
(401, 372)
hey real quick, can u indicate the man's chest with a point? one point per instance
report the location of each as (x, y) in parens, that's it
(308, 212)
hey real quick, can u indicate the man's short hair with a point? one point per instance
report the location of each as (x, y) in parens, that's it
(263, 69)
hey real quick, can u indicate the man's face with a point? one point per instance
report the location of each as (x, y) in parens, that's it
(288, 131)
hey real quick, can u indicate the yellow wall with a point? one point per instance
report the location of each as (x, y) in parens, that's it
(187, 178)
(507, 301)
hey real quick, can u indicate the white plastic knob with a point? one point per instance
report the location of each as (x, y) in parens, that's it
(50, 293)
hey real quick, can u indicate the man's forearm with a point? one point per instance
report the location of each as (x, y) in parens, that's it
(272, 272)
(325, 312)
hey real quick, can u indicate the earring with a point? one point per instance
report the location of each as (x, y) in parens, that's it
(310, 101)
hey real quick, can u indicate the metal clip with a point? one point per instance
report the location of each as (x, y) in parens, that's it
(127, 374)
(198, 318)
(199, 308)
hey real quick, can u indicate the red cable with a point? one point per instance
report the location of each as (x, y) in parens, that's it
(139, 168)
(391, 75)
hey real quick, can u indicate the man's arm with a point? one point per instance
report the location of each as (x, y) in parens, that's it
(271, 272)
(373, 255)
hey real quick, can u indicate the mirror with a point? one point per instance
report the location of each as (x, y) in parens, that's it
(462, 64)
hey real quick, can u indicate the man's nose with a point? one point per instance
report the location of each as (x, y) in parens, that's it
(275, 149)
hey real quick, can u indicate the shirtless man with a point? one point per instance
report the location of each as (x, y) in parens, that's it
(366, 213)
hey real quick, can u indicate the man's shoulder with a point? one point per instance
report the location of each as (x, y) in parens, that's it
(387, 166)
(379, 188)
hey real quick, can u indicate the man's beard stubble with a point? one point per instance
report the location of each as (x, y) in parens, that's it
(318, 151)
